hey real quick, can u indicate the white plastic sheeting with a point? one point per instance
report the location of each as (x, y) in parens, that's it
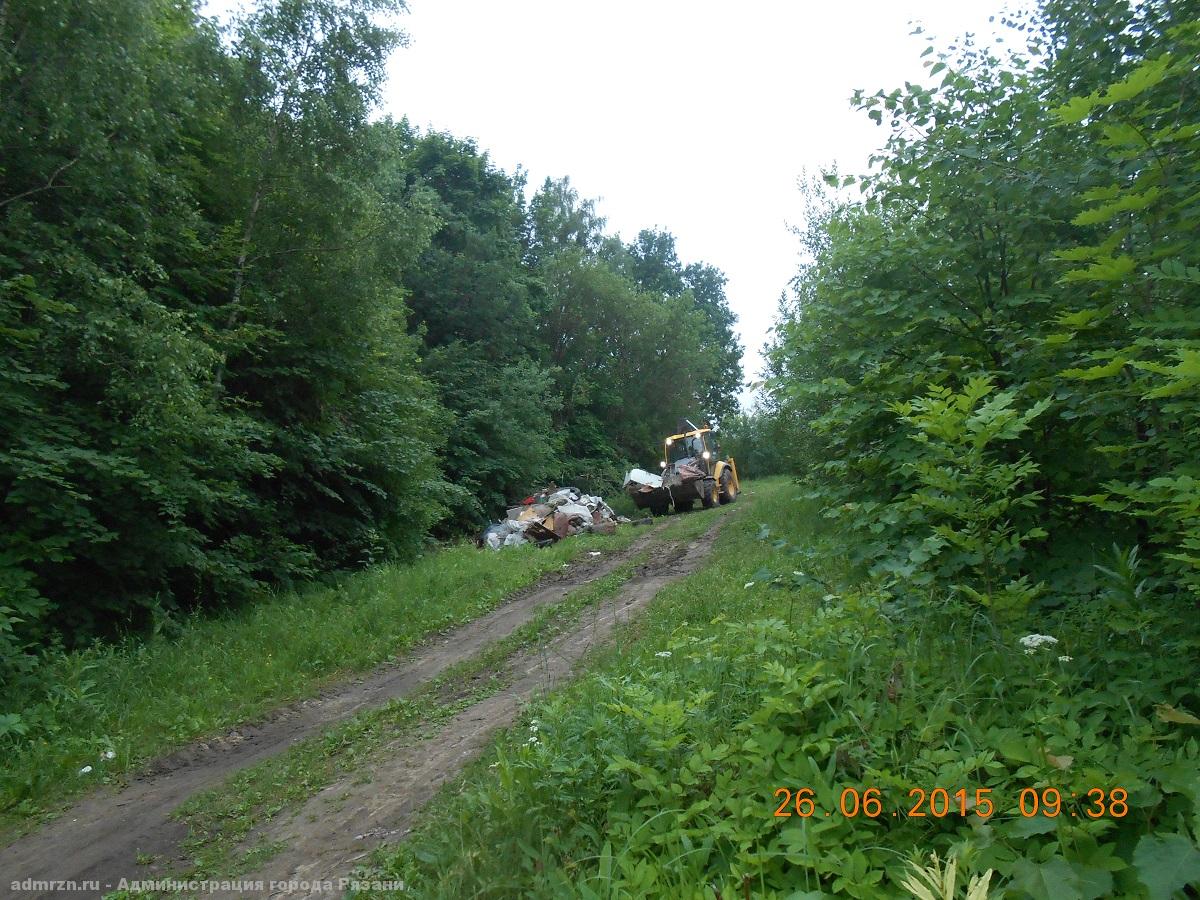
(644, 478)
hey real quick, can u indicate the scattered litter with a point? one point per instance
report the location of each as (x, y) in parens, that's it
(85, 770)
(594, 553)
(748, 584)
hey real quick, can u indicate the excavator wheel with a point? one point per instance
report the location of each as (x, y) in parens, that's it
(729, 491)
(709, 498)
(659, 509)
(683, 506)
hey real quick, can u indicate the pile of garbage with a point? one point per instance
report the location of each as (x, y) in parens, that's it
(551, 516)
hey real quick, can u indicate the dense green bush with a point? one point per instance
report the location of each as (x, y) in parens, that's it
(1030, 222)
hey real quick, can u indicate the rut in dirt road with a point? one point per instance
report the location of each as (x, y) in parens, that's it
(101, 837)
(343, 823)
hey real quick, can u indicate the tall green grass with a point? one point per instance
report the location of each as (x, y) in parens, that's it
(140, 699)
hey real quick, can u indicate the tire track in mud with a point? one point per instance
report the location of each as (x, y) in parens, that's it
(344, 822)
(101, 836)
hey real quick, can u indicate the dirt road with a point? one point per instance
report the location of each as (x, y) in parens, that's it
(101, 837)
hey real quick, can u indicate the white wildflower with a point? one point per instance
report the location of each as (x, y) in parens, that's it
(1065, 658)
(663, 654)
(1037, 641)
(85, 770)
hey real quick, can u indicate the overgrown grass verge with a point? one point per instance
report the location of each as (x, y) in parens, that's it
(111, 708)
(221, 820)
(657, 774)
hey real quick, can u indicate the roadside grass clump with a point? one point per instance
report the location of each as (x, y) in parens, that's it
(773, 681)
(112, 707)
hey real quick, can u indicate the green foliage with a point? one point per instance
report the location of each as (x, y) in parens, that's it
(656, 774)
(987, 372)
(653, 265)
(502, 442)
(1031, 221)
(119, 466)
(249, 334)
(966, 495)
(759, 441)
(635, 339)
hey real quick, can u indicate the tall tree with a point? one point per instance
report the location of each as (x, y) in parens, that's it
(470, 299)
(115, 450)
(325, 223)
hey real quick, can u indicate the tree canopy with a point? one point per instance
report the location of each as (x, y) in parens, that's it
(250, 331)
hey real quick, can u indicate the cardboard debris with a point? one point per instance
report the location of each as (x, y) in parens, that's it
(551, 516)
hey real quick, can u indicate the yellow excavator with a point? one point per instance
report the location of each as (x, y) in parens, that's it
(692, 469)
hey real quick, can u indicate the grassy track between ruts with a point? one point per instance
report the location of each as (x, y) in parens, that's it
(220, 819)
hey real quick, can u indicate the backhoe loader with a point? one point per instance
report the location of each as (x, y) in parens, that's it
(692, 469)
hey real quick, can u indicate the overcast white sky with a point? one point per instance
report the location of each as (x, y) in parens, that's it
(690, 115)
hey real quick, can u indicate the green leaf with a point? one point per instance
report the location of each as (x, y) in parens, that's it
(1052, 880)
(1027, 827)
(1108, 370)
(1093, 882)
(1082, 318)
(1075, 110)
(1115, 268)
(1142, 78)
(1175, 716)
(1128, 202)
(1166, 864)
